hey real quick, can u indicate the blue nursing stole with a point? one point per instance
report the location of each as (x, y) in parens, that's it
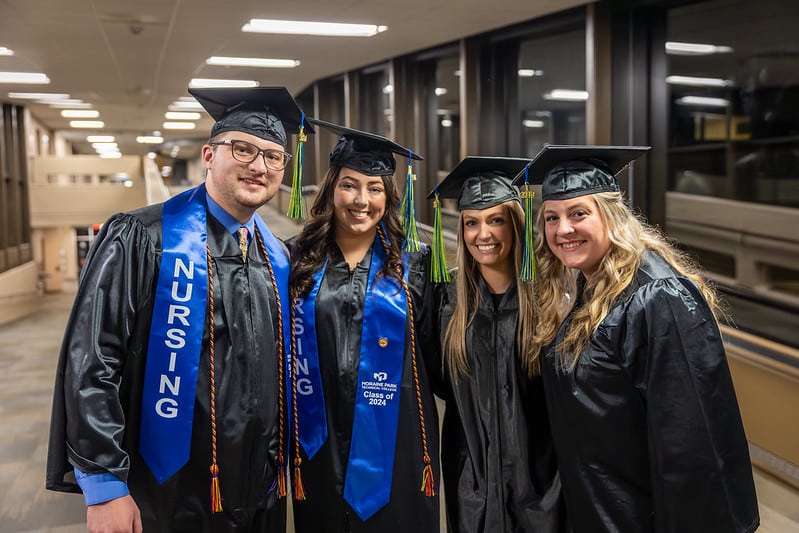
(176, 331)
(367, 485)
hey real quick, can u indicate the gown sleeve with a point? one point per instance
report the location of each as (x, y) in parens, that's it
(698, 454)
(88, 421)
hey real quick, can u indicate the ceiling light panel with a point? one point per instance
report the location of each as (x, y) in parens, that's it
(298, 27)
(209, 82)
(252, 62)
(23, 77)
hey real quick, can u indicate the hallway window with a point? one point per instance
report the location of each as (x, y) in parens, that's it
(551, 74)
(734, 97)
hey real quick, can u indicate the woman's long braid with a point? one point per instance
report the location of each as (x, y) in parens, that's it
(428, 481)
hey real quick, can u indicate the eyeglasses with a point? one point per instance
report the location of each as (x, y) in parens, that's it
(248, 152)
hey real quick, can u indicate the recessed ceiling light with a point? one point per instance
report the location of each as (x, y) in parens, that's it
(566, 95)
(533, 123)
(441, 91)
(179, 125)
(149, 139)
(185, 106)
(529, 73)
(703, 101)
(39, 96)
(65, 104)
(100, 138)
(299, 27)
(105, 146)
(209, 82)
(181, 115)
(112, 155)
(86, 124)
(6, 51)
(23, 77)
(695, 81)
(80, 113)
(695, 49)
(446, 122)
(252, 62)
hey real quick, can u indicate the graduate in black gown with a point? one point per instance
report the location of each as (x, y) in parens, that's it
(644, 415)
(498, 464)
(168, 407)
(366, 454)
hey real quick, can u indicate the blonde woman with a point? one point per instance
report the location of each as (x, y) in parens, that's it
(498, 466)
(644, 415)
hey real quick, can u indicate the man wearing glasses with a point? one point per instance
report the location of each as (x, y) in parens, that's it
(169, 407)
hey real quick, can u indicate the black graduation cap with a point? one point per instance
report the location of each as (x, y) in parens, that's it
(365, 152)
(567, 171)
(481, 182)
(266, 112)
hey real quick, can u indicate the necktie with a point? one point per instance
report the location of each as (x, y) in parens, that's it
(243, 242)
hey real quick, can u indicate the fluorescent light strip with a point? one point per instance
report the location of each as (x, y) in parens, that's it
(441, 91)
(695, 49)
(252, 62)
(149, 139)
(6, 51)
(533, 123)
(566, 95)
(209, 82)
(529, 73)
(703, 101)
(77, 113)
(23, 77)
(298, 27)
(100, 138)
(185, 106)
(112, 155)
(181, 115)
(86, 124)
(179, 125)
(55, 104)
(695, 81)
(39, 96)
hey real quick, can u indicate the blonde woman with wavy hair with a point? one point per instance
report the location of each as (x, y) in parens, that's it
(497, 462)
(644, 416)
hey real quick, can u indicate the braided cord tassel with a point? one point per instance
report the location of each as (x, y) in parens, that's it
(280, 480)
(528, 257)
(296, 205)
(428, 480)
(216, 495)
(439, 272)
(408, 211)
(299, 488)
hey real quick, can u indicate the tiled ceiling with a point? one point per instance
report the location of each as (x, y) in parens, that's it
(132, 58)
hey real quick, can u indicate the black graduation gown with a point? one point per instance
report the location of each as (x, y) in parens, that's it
(339, 317)
(497, 459)
(646, 427)
(96, 428)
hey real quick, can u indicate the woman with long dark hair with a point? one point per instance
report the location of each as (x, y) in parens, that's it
(365, 425)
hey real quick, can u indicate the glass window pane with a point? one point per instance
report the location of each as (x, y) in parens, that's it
(547, 67)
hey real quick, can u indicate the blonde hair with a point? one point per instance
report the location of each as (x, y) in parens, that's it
(629, 238)
(468, 301)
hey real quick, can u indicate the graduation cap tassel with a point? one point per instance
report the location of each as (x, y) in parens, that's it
(408, 211)
(528, 258)
(439, 272)
(216, 495)
(296, 206)
(428, 483)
